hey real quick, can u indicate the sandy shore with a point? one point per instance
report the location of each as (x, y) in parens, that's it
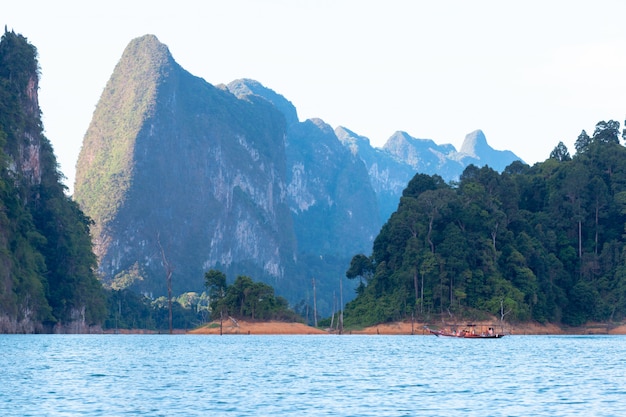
(265, 327)
(398, 328)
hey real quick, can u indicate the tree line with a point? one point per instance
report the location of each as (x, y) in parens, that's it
(243, 299)
(544, 242)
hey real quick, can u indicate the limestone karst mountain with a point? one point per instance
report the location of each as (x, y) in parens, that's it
(175, 171)
(174, 167)
(183, 176)
(475, 150)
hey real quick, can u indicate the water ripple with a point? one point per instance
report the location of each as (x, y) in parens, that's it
(141, 375)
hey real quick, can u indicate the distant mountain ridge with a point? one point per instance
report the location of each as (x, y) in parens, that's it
(228, 177)
(392, 167)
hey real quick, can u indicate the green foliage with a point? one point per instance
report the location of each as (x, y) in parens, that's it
(215, 282)
(127, 278)
(560, 153)
(47, 266)
(103, 174)
(541, 243)
(127, 310)
(245, 299)
(361, 267)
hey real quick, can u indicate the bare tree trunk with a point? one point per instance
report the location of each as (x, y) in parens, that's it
(451, 289)
(169, 300)
(332, 318)
(314, 305)
(580, 247)
(580, 239)
(168, 271)
(430, 230)
(341, 304)
(494, 234)
(502, 312)
(415, 285)
(597, 222)
(422, 295)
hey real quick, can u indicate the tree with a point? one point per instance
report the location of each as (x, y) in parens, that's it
(582, 142)
(560, 153)
(606, 132)
(432, 203)
(215, 283)
(360, 267)
(245, 299)
(598, 193)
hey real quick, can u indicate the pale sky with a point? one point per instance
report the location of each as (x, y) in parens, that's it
(527, 73)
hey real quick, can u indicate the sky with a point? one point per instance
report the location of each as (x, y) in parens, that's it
(528, 74)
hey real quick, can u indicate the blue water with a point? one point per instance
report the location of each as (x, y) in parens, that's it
(185, 375)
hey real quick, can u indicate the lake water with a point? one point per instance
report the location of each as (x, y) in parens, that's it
(185, 375)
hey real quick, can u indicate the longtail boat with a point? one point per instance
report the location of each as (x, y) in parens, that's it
(469, 332)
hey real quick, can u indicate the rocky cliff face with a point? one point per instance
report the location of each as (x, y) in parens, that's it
(333, 204)
(330, 195)
(388, 175)
(228, 177)
(203, 176)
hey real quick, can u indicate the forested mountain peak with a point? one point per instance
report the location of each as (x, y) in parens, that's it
(19, 69)
(105, 164)
(542, 243)
(47, 279)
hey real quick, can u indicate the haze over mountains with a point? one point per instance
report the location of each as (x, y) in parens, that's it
(175, 171)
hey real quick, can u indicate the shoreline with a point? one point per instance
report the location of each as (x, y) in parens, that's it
(243, 327)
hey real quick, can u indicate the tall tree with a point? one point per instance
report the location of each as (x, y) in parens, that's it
(607, 132)
(560, 153)
(582, 142)
(215, 283)
(360, 267)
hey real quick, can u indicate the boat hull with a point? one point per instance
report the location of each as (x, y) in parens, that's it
(466, 334)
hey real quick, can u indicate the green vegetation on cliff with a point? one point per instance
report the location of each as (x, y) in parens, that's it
(541, 243)
(104, 174)
(47, 266)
